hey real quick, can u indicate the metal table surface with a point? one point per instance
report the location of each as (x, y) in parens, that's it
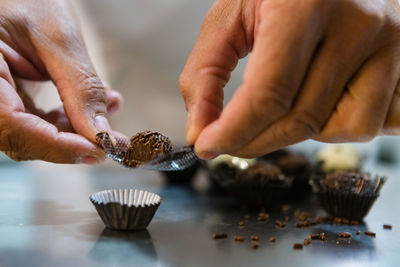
(46, 219)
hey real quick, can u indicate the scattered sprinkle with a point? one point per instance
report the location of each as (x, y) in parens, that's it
(220, 235)
(297, 246)
(254, 238)
(239, 238)
(254, 245)
(344, 235)
(307, 242)
(370, 234)
(387, 226)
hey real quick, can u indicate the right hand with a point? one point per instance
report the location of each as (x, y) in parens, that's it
(319, 69)
(40, 41)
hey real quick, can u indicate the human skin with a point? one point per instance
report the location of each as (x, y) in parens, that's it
(40, 41)
(319, 69)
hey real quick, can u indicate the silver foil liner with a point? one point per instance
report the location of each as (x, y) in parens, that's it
(126, 209)
(176, 160)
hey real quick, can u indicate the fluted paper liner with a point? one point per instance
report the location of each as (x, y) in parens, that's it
(348, 203)
(126, 209)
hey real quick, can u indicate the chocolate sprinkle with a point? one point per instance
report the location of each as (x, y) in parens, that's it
(280, 224)
(262, 217)
(220, 235)
(272, 239)
(320, 236)
(254, 238)
(370, 233)
(344, 235)
(387, 226)
(297, 246)
(239, 238)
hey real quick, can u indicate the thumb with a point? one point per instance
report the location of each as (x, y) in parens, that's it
(224, 38)
(66, 60)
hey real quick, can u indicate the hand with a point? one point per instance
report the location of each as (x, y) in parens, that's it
(39, 41)
(322, 69)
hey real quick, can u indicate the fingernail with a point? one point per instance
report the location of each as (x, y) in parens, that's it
(111, 109)
(89, 160)
(208, 155)
(101, 124)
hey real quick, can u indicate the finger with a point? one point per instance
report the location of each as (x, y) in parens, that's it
(361, 112)
(223, 39)
(31, 137)
(114, 99)
(5, 72)
(282, 52)
(337, 60)
(67, 62)
(59, 119)
(22, 67)
(57, 116)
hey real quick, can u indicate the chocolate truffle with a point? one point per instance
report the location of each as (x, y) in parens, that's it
(298, 167)
(261, 185)
(223, 169)
(144, 147)
(261, 173)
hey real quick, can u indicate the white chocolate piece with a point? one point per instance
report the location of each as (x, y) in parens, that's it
(239, 163)
(339, 157)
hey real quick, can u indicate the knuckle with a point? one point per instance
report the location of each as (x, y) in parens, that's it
(92, 91)
(271, 102)
(65, 36)
(305, 124)
(184, 84)
(267, 7)
(8, 140)
(13, 155)
(13, 145)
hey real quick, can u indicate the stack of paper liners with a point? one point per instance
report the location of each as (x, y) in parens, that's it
(126, 209)
(348, 195)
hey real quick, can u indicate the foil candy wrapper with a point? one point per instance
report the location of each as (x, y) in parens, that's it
(176, 160)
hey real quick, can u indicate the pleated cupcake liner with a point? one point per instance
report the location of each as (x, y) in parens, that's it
(126, 209)
(347, 202)
(347, 206)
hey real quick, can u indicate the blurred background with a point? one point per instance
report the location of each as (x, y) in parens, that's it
(145, 45)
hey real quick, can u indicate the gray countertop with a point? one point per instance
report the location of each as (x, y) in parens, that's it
(46, 219)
